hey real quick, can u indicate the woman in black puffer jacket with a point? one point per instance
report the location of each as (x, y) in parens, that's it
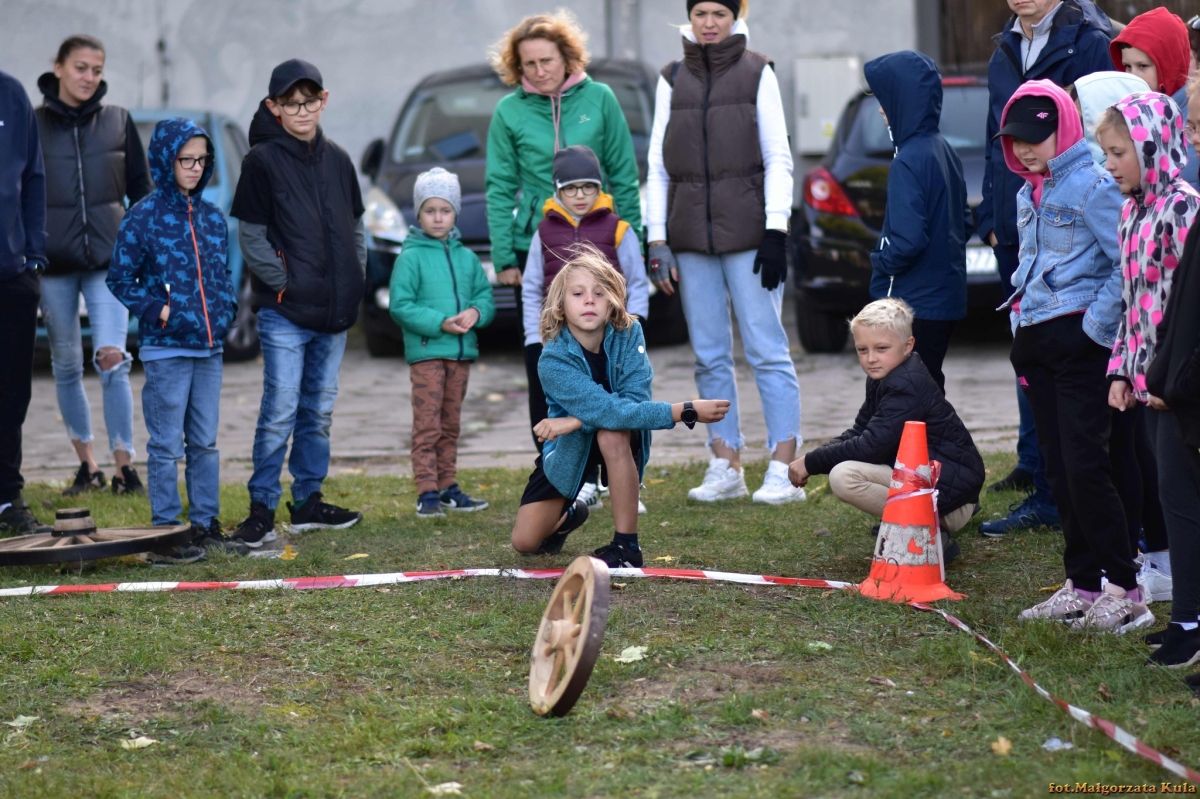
(94, 164)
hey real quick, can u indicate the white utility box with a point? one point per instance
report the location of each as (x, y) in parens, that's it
(823, 84)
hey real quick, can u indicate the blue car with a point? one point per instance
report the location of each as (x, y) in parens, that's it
(231, 145)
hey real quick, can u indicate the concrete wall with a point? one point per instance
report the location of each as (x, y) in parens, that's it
(219, 53)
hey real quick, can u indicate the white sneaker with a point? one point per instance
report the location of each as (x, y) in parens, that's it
(590, 495)
(1156, 586)
(777, 489)
(720, 482)
(641, 507)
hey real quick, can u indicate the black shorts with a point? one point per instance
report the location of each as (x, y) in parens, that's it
(539, 488)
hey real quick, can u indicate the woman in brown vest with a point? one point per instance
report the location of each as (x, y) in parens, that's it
(719, 196)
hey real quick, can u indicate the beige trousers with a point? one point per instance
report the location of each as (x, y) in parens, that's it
(865, 486)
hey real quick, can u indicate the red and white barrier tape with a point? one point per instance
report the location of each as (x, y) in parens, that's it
(372, 580)
(1123, 738)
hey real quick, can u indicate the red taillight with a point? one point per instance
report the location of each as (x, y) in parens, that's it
(823, 193)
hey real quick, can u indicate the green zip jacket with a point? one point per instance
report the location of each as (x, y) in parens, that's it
(520, 155)
(434, 280)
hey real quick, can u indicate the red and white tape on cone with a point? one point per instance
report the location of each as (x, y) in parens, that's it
(372, 580)
(1122, 737)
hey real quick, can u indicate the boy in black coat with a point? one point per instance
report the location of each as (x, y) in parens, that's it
(899, 389)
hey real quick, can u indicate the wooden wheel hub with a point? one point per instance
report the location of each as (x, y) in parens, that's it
(569, 638)
(75, 538)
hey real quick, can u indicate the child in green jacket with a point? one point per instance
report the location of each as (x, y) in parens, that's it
(439, 295)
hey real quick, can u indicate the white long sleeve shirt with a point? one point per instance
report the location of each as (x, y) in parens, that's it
(772, 141)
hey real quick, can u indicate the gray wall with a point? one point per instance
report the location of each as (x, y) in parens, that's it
(372, 52)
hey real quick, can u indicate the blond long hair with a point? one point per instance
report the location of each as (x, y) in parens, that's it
(584, 258)
(560, 28)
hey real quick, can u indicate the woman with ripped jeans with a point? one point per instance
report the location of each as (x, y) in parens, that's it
(94, 164)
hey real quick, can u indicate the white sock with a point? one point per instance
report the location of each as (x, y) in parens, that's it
(1187, 626)
(1160, 561)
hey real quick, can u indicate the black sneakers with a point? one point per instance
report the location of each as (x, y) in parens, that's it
(619, 556)
(128, 482)
(313, 514)
(1016, 480)
(176, 556)
(17, 519)
(212, 537)
(258, 528)
(1180, 648)
(577, 514)
(86, 480)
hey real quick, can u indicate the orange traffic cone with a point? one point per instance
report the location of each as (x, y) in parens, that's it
(908, 563)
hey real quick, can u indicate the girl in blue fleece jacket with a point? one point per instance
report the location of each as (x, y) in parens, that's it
(597, 376)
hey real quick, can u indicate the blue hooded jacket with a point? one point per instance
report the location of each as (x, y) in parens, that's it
(172, 249)
(1078, 46)
(922, 255)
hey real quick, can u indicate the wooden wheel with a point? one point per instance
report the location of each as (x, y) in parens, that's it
(569, 638)
(76, 538)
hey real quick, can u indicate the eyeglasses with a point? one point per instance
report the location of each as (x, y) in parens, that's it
(312, 105)
(580, 190)
(1189, 131)
(187, 162)
(544, 64)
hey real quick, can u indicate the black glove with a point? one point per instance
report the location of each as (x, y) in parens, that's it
(772, 259)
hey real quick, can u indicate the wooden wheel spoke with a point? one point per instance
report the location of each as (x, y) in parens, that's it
(568, 641)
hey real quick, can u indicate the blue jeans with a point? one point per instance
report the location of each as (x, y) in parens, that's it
(109, 320)
(181, 401)
(300, 383)
(707, 286)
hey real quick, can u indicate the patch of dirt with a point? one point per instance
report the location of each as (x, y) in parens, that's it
(141, 700)
(706, 683)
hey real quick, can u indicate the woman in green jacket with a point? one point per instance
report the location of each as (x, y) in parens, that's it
(555, 105)
(439, 295)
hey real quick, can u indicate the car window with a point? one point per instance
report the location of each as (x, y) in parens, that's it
(448, 122)
(145, 130)
(963, 124)
(236, 147)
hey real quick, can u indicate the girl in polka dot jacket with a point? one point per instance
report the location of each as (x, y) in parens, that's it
(1143, 141)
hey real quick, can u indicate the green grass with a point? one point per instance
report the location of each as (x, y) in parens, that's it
(376, 692)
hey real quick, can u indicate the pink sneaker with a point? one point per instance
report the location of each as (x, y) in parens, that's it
(1114, 612)
(1065, 605)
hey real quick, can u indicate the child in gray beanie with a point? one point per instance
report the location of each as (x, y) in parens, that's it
(439, 310)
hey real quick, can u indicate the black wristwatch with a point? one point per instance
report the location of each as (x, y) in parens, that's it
(689, 416)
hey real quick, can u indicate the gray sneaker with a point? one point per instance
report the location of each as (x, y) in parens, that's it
(1114, 612)
(1065, 605)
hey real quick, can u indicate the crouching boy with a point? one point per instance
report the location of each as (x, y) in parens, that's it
(169, 268)
(899, 389)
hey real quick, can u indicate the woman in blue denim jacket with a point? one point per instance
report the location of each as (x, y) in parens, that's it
(597, 378)
(1065, 312)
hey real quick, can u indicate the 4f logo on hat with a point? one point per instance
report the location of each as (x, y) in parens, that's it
(1043, 115)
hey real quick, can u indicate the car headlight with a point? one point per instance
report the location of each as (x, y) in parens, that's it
(382, 218)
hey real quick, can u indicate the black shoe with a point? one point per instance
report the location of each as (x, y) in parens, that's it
(128, 482)
(258, 528)
(177, 556)
(1016, 480)
(429, 506)
(85, 481)
(875, 531)
(17, 519)
(1193, 681)
(313, 514)
(213, 537)
(950, 549)
(1181, 648)
(577, 514)
(619, 556)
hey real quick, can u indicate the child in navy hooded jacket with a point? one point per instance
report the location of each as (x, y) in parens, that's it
(169, 268)
(922, 254)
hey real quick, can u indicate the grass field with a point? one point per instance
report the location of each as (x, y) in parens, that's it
(385, 691)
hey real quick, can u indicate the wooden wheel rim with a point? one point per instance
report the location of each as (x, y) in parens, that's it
(568, 640)
(33, 550)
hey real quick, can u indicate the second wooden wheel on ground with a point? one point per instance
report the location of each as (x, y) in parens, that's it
(75, 538)
(569, 637)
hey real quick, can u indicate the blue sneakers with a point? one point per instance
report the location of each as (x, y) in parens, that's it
(454, 499)
(1025, 515)
(429, 505)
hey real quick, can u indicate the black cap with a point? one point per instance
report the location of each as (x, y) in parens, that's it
(1032, 118)
(576, 164)
(289, 73)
